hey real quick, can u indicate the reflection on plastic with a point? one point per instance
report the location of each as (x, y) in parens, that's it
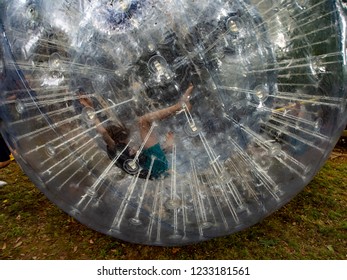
(172, 122)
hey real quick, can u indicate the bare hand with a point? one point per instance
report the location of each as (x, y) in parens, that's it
(85, 101)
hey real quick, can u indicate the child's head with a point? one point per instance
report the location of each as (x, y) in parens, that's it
(118, 133)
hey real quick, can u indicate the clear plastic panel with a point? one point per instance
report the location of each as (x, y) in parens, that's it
(226, 109)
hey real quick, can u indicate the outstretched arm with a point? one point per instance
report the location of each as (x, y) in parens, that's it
(146, 121)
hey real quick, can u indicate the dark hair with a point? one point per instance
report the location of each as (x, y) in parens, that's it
(118, 133)
(80, 90)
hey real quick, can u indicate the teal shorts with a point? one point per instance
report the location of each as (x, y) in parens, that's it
(160, 164)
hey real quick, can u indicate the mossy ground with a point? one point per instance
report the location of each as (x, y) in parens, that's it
(311, 226)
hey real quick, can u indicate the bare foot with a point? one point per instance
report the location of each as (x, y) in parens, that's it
(4, 163)
(186, 96)
(86, 101)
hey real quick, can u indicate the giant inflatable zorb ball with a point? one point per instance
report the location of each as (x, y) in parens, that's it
(172, 122)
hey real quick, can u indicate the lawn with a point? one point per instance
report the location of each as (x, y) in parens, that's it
(313, 225)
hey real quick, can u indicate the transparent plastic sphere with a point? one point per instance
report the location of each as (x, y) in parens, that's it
(172, 122)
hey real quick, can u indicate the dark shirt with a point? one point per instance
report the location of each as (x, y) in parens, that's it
(159, 166)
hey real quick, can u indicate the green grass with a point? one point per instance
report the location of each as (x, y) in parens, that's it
(311, 226)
